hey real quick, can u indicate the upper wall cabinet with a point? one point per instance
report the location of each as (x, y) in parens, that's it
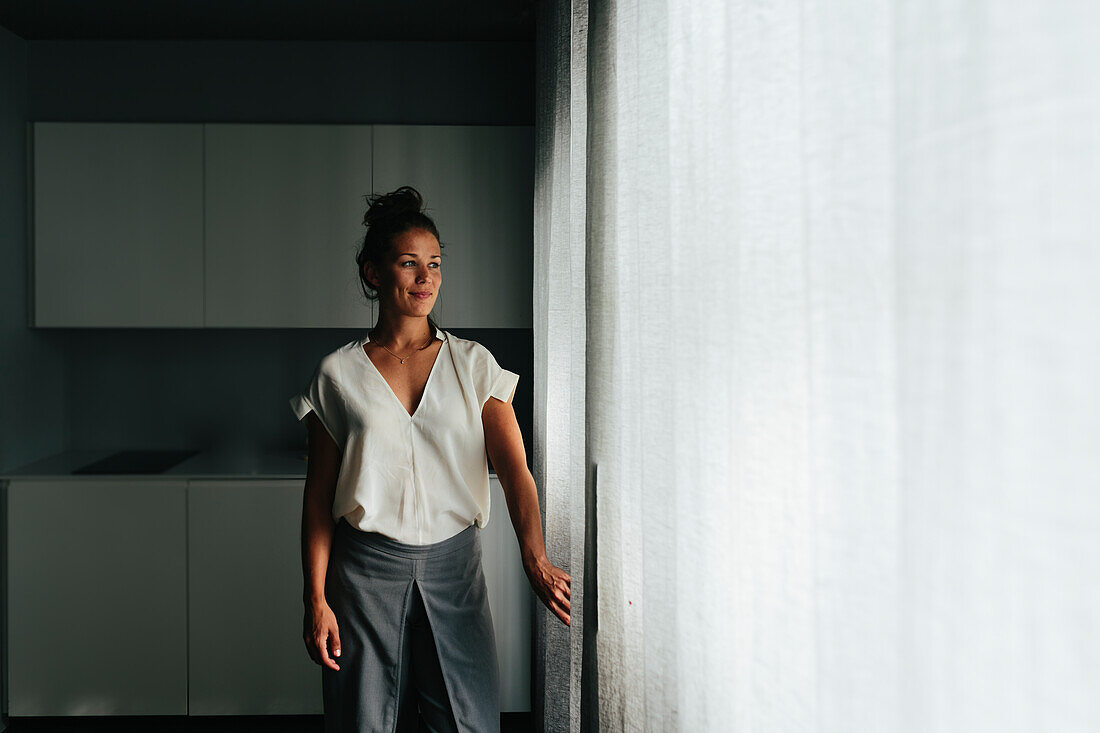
(117, 224)
(258, 225)
(478, 187)
(284, 212)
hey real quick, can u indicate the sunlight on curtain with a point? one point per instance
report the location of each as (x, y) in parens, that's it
(559, 341)
(842, 293)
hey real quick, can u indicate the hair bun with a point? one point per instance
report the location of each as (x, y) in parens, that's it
(383, 206)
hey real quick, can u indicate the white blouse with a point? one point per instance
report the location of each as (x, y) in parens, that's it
(419, 478)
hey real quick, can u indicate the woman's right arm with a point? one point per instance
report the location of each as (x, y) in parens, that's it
(322, 469)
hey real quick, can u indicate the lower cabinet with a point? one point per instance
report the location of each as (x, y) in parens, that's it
(510, 601)
(97, 597)
(245, 600)
(177, 597)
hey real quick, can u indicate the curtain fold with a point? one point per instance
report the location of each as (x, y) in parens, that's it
(559, 342)
(817, 297)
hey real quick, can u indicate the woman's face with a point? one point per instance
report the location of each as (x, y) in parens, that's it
(414, 269)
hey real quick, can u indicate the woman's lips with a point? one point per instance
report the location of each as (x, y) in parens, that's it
(422, 296)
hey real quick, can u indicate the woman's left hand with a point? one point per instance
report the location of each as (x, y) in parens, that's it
(551, 585)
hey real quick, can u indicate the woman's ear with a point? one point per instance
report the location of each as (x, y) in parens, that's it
(370, 275)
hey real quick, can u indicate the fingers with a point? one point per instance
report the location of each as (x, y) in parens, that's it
(334, 640)
(559, 591)
(561, 614)
(319, 654)
(557, 600)
(557, 607)
(319, 644)
(561, 587)
(552, 586)
(323, 645)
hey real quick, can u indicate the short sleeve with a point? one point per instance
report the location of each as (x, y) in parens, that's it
(322, 397)
(491, 379)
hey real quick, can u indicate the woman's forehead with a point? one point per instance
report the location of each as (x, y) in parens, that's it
(417, 242)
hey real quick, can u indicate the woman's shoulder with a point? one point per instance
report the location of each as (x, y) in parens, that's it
(335, 362)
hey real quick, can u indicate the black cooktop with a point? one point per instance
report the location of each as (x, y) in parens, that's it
(137, 461)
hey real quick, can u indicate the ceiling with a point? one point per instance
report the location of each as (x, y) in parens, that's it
(290, 20)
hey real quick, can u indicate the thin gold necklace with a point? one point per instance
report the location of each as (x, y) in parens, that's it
(369, 333)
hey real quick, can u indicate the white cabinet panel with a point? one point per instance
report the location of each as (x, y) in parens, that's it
(97, 595)
(478, 187)
(245, 604)
(169, 597)
(510, 599)
(284, 213)
(117, 224)
(247, 656)
(258, 225)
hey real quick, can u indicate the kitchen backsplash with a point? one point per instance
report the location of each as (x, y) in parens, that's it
(219, 388)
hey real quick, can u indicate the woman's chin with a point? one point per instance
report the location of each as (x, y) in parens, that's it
(418, 310)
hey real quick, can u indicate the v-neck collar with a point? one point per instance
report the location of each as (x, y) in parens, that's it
(439, 334)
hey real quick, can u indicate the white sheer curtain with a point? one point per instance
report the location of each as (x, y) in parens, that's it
(559, 341)
(840, 407)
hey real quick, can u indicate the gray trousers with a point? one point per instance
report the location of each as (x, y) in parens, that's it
(415, 631)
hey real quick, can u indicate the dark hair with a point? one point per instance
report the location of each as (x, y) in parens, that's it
(388, 216)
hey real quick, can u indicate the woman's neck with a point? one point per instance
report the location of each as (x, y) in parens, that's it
(407, 333)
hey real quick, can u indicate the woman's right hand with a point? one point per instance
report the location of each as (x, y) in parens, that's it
(321, 634)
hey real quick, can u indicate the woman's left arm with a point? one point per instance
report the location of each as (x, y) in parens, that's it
(504, 442)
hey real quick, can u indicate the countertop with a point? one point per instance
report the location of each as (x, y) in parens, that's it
(208, 464)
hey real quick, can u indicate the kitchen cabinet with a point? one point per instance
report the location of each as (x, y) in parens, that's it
(245, 600)
(247, 656)
(117, 224)
(478, 186)
(183, 596)
(284, 208)
(510, 601)
(258, 225)
(97, 597)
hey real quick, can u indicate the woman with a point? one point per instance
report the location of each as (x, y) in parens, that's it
(397, 489)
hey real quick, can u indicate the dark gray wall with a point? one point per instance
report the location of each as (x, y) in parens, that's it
(30, 398)
(149, 388)
(283, 81)
(224, 388)
(32, 364)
